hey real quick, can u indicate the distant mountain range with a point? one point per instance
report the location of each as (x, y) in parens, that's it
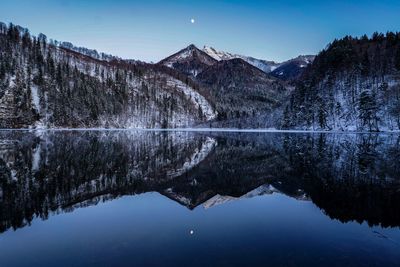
(287, 70)
(351, 85)
(264, 65)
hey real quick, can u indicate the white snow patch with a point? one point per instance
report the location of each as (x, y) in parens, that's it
(218, 200)
(196, 98)
(265, 189)
(14, 175)
(264, 65)
(197, 157)
(36, 158)
(35, 98)
(179, 198)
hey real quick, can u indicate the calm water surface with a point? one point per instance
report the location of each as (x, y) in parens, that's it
(125, 198)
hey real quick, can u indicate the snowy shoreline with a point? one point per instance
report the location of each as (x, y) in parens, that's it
(229, 130)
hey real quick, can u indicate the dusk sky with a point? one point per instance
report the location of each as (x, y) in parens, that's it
(151, 30)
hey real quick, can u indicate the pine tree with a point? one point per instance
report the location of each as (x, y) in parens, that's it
(286, 119)
(38, 79)
(321, 117)
(397, 59)
(59, 75)
(368, 109)
(2, 71)
(365, 65)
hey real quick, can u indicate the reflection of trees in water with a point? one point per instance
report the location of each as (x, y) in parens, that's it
(350, 177)
(53, 173)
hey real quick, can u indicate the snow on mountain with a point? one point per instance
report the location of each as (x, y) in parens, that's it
(135, 95)
(264, 65)
(287, 70)
(265, 189)
(219, 55)
(198, 156)
(190, 61)
(293, 68)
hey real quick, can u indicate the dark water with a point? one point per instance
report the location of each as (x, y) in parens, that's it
(95, 198)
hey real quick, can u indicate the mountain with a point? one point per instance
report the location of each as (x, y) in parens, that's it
(293, 68)
(265, 189)
(264, 65)
(47, 85)
(190, 61)
(353, 84)
(241, 90)
(288, 70)
(238, 90)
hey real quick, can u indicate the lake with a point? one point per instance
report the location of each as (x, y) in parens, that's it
(155, 198)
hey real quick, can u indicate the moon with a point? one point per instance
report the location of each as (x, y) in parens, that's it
(192, 21)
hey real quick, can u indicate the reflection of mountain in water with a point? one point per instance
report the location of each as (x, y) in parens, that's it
(350, 177)
(56, 172)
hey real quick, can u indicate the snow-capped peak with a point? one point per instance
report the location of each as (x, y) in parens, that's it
(188, 53)
(219, 55)
(264, 65)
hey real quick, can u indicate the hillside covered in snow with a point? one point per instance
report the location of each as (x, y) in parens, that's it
(351, 85)
(354, 84)
(240, 91)
(47, 85)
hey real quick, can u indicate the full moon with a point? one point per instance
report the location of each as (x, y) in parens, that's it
(192, 21)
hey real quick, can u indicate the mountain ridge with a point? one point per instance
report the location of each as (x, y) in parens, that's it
(287, 70)
(351, 85)
(189, 60)
(238, 88)
(264, 65)
(51, 86)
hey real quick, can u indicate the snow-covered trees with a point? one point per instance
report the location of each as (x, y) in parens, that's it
(367, 110)
(72, 89)
(397, 59)
(351, 85)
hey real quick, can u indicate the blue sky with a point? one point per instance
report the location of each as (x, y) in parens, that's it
(152, 29)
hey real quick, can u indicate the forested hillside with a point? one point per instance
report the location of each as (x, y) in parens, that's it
(243, 94)
(47, 173)
(48, 85)
(242, 90)
(354, 84)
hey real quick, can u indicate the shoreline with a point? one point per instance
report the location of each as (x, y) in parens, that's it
(227, 130)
